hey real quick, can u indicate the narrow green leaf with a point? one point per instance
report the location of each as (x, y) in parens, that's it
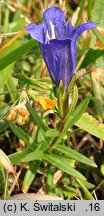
(29, 81)
(36, 84)
(88, 195)
(59, 163)
(3, 126)
(74, 154)
(69, 161)
(72, 82)
(16, 54)
(59, 95)
(21, 134)
(90, 6)
(5, 74)
(30, 174)
(34, 166)
(10, 48)
(49, 181)
(18, 156)
(66, 193)
(77, 113)
(51, 133)
(98, 35)
(91, 57)
(74, 100)
(35, 155)
(11, 86)
(36, 118)
(102, 168)
(91, 125)
(74, 117)
(87, 184)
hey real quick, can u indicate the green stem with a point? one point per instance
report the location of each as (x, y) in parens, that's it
(45, 4)
(6, 17)
(99, 185)
(56, 138)
(89, 9)
(98, 35)
(14, 91)
(82, 3)
(0, 14)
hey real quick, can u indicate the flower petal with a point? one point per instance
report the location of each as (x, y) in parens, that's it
(55, 16)
(58, 43)
(70, 30)
(60, 30)
(60, 60)
(47, 103)
(37, 32)
(49, 53)
(80, 29)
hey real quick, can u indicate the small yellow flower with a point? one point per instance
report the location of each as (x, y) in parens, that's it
(47, 103)
(19, 113)
(12, 114)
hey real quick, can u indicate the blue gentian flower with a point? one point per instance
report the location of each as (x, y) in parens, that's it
(58, 43)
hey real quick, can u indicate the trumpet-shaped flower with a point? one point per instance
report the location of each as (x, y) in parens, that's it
(58, 43)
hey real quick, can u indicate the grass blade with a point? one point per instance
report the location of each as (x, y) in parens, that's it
(16, 54)
(91, 125)
(74, 154)
(56, 161)
(74, 117)
(88, 195)
(21, 134)
(36, 118)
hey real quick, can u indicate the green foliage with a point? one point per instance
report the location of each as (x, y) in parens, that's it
(63, 165)
(51, 133)
(75, 155)
(16, 54)
(88, 195)
(91, 125)
(36, 118)
(91, 57)
(22, 135)
(97, 13)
